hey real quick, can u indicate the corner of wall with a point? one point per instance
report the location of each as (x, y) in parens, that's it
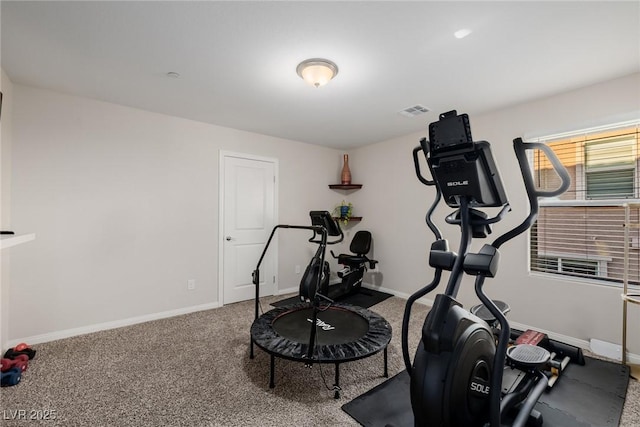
(6, 87)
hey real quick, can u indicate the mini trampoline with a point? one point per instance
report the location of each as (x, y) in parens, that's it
(317, 332)
(344, 333)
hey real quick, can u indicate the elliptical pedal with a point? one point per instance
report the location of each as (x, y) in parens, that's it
(527, 356)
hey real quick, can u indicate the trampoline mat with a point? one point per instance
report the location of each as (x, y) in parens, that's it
(344, 333)
(592, 395)
(334, 326)
(365, 297)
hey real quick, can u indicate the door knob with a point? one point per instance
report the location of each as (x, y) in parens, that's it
(229, 238)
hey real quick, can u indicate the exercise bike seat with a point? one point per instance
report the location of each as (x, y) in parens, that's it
(360, 246)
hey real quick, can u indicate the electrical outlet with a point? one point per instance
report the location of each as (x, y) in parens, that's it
(191, 284)
(297, 269)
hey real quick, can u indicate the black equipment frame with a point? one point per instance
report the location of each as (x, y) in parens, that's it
(474, 159)
(377, 338)
(317, 230)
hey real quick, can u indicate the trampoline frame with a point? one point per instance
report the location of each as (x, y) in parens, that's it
(375, 340)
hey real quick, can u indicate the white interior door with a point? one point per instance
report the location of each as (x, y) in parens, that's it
(248, 215)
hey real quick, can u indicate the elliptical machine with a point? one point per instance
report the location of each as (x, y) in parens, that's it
(457, 373)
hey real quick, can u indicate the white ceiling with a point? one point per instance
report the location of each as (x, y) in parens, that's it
(237, 59)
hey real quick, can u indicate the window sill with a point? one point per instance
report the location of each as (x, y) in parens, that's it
(581, 280)
(589, 203)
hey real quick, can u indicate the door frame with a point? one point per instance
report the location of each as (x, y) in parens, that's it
(221, 184)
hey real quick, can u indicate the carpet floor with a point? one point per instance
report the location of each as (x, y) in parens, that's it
(194, 370)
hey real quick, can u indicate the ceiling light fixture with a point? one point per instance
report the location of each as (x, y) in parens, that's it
(317, 71)
(462, 33)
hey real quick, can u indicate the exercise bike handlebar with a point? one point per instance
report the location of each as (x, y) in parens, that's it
(255, 275)
(333, 242)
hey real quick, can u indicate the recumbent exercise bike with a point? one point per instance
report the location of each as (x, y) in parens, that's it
(457, 372)
(355, 264)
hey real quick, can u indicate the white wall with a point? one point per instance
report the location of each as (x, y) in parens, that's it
(124, 204)
(394, 205)
(6, 87)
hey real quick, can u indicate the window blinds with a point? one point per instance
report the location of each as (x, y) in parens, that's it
(581, 233)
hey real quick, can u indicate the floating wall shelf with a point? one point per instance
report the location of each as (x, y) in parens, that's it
(353, 218)
(345, 186)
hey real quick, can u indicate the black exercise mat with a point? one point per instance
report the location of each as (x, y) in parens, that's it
(365, 298)
(386, 404)
(586, 396)
(593, 395)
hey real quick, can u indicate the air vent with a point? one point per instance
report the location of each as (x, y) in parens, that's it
(416, 110)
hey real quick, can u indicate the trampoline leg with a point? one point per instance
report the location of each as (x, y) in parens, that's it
(251, 349)
(272, 382)
(336, 386)
(386, 371)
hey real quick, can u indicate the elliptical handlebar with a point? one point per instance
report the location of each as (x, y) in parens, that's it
(454, 217)
(424, 147)
(520, 147)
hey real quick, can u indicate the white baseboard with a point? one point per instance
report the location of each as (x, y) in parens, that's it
(611, 351)
(423, 300)
(583, 344)
(295, 289)
(73, 332)
(288, 290)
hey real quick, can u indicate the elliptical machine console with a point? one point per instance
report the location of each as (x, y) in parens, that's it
(463, 168)
(456, 375)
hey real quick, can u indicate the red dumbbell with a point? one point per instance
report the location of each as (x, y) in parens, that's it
(20, 349)
(21, 362)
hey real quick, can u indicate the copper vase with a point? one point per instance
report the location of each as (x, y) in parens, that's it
(345, 176)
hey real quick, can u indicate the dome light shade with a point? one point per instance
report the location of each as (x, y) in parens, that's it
(462, 33)
(317, 72)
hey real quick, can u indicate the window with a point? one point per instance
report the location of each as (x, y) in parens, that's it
(610, 169)
(572, 267)
(581, 233)
(579, 267)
